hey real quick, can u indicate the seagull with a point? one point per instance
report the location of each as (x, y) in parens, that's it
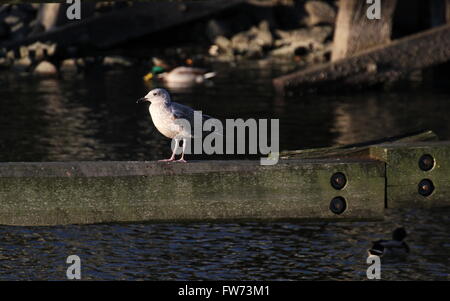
(166, 116)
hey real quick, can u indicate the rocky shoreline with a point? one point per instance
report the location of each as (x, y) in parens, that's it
(298, 31)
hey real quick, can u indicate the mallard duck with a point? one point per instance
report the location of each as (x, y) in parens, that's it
(391, 248)
(178, 76)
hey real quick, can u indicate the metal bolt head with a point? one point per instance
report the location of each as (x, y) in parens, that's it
(338, 205)
(338, 180)
(426, 162)
(426, 187)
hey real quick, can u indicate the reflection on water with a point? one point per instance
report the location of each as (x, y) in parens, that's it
(250, 251)
(95, 117)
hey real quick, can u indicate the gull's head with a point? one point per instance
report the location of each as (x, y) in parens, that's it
(156, 96)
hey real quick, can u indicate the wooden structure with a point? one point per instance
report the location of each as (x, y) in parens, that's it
(364, 55)
(380, 64)
(355, 182)
(95, 192)
(356, 32)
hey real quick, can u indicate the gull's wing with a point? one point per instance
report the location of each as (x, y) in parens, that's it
(185, 112)
(180, 111)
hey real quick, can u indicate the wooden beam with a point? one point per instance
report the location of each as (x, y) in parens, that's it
(99, 192)
(358, 150)
(384, 63)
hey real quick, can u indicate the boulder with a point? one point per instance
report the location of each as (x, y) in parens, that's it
(263, 36)
(45, 68)
(254, 41)
(223, 43)
(301, 42)
(22, 64)
(320, 12)
(68, 65)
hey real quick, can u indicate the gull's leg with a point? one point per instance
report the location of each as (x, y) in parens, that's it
(172, 158)
(182, 154)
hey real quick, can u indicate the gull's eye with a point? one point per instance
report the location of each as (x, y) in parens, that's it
(155, 93)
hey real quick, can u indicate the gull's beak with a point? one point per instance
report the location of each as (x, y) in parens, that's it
(141, 100)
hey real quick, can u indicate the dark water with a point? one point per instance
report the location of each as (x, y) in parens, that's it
(250, 251)
(94, 117)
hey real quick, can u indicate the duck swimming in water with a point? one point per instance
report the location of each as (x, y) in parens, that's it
(183, 76)
(396, 247)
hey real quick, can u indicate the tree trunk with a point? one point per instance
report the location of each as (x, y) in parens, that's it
(355, 32)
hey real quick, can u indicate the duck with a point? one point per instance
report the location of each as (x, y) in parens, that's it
(396, 247)
(181, 76)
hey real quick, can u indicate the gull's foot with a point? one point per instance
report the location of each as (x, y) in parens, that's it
(167, 160)
(182, 161)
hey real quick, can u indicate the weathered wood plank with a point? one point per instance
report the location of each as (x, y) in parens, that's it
(95, 192)
(359, 150)
(380, 64)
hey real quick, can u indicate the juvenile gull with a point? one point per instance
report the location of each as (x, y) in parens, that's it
(166, 115)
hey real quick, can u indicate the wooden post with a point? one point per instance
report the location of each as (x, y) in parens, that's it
(355, 32)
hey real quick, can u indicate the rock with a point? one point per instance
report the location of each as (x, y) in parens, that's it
(305, 36)
(45, 68)
(116, 61)
(40, 50)
(221, 47)
(263, 35)
(320, 12)
(223, 43)
(22, 65)
(253, 42)
(214, 50)
(3, 62)
(240, 42)
(254, 51)
(301, 42)
(11, 20)
(68, 65)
